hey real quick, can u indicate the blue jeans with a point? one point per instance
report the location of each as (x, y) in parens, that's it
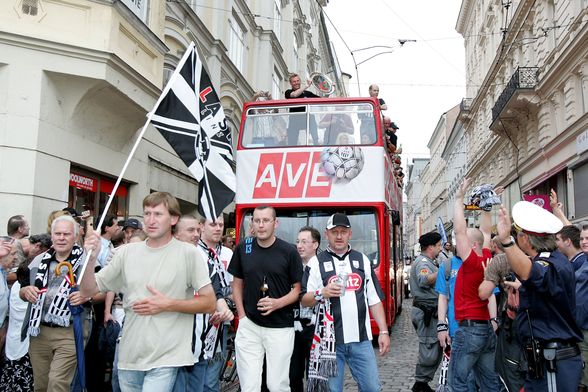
(154, 380)
(362, 362)
(204, 375)
(473, 349)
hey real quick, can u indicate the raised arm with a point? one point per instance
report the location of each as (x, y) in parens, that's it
(557, 208)
(462, 246)
(486, 228)
(297, 93)
(518, 260)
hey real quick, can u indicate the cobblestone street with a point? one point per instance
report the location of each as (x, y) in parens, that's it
(397, 368)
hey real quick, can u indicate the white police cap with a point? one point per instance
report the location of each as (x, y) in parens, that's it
(532, 219)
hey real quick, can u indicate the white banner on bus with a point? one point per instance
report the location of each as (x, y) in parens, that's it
(348, 174)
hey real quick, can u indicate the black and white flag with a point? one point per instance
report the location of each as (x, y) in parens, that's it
(190, 117)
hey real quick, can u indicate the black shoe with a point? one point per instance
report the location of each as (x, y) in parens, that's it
(420, 386)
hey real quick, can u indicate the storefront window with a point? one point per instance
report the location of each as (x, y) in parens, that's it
(89, 191)
(580, 191)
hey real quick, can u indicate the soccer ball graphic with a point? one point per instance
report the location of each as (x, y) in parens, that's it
(342, 163)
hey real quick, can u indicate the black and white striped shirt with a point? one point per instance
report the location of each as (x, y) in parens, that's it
(351, 311)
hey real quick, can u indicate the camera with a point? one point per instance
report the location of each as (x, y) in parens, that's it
(510, 277)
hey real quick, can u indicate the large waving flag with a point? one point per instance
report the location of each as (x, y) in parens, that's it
(190, 117)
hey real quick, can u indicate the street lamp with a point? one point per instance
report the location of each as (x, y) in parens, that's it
(392, 48)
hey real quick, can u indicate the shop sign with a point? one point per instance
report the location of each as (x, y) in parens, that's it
(582, 142)
(139, 8)
(82, 182)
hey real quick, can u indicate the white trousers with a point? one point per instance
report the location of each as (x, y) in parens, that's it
(251, 344)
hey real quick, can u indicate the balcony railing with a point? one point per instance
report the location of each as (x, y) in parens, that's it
(524, 78)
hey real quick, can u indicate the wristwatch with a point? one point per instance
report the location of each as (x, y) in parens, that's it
(510, 243)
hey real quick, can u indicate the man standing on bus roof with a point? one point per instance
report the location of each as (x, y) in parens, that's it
(424, 313)
(297, 122)
(342, 281)
(266, 283)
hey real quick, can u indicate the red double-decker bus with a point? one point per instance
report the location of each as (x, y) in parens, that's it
(310, 158)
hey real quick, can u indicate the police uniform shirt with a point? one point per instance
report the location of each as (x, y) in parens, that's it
(419, 286)
(350, 311)
(549, 297)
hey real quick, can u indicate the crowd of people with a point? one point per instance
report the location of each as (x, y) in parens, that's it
(510, 308)
(158, 296)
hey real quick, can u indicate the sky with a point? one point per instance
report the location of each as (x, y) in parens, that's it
(420, 80)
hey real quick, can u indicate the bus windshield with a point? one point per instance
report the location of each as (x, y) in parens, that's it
(365, 235)
(309, 125)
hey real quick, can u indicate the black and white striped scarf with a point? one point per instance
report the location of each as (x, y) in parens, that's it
(323, 353)
(58, 312)
(211, 335)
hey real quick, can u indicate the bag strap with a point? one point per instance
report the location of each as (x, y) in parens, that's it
(447, 266)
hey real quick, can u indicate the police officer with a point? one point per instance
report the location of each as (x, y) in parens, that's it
(545, 320)
(424, 313)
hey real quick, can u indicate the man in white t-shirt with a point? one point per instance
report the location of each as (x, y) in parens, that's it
(158, 277)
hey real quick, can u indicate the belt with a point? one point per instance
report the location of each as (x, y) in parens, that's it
(567, 352)
(472, 323)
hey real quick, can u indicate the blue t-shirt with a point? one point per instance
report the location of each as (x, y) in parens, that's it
(441, 288)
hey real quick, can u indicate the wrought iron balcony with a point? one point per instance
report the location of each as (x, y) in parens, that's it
(524, 78)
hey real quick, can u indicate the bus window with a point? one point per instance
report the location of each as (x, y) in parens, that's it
(365, 235)
(338, 124)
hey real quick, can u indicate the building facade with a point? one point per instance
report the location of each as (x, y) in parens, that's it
(77, 78)
(413, 224)
(527, 128)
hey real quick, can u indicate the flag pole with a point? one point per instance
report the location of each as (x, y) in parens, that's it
(133, 150)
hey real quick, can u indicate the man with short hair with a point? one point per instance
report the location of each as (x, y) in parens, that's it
(17, 227)
(342, 281)
(188, 229)
(568, 243)
(374, 91)
(423, 275)
(109, 229)
(158, 278)
(266, 283)
(307, 244)
(52, 347)
(547, 310)
(210, 330)
(297, 122)
(475, 341)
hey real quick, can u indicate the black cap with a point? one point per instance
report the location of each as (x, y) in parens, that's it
(429, 239)
(338, 219)
(393, 125)
(131, 222)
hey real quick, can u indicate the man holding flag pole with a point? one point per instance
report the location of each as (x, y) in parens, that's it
(159, 276)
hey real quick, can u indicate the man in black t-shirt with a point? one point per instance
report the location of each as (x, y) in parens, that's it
(298, 122)
(267, 272)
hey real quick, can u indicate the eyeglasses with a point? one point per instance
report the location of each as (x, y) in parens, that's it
(263, 221)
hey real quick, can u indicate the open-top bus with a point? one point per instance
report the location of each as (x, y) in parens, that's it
(310, 158)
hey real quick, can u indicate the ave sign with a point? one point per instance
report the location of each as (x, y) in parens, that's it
(288, 175)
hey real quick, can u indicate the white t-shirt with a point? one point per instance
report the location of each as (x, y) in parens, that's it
(15, 349)
(176, 270)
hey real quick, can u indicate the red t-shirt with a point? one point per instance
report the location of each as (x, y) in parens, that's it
(468, 306)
